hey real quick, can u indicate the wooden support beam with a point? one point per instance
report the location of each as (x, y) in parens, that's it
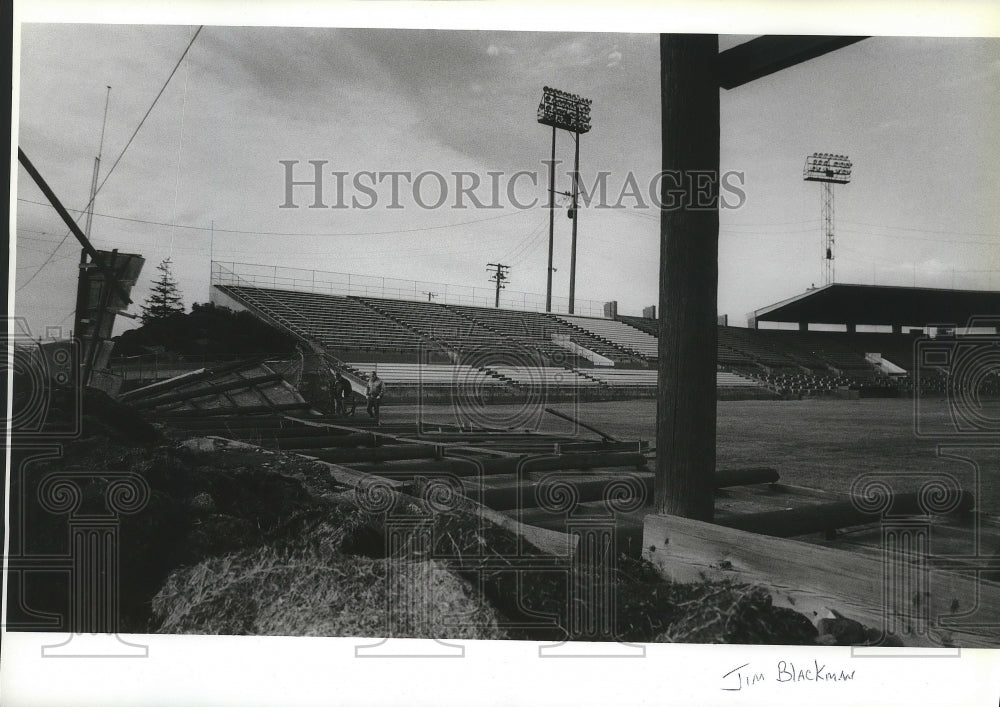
(771, 53)
(814, 580)
(357, 439)
(521, 493)
(213, 389)
(818, 518)
(509, 465)
(689, 273)
(167, 415)
(725, 478)
(191, 377)
(244, 425)
(370, 454)
(284, 433)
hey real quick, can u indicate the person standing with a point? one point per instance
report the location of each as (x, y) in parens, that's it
(342, 392)
(373, 393)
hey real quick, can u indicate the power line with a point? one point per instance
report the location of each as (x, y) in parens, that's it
(952, 241)
(925, 230)
(115, 163)
(289, 234)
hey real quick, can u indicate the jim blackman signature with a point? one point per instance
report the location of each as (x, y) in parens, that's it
(743, 677)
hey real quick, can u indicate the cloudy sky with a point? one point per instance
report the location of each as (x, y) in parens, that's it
(918, 117)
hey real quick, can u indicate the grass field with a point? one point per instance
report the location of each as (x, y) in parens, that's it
(822, 444)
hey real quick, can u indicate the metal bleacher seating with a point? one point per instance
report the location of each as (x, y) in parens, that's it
(339, 323)
(439, 323)
(623, 377)
(431, 374)
(502, 347)
(535, 329)
(618, 333)
(545, 376)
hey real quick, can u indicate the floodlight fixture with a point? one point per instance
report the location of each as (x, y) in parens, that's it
(566, 111)
(827, 167)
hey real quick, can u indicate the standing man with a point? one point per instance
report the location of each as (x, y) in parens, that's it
(374, 392)
(342, 392)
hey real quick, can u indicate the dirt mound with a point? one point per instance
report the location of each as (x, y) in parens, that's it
(199, 505)
(319, 592)
(239, 541)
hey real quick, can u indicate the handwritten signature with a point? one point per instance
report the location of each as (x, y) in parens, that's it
(742, 677)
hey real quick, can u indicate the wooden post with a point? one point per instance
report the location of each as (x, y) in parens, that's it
(689, 270)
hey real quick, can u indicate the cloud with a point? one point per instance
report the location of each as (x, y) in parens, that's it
(614, 58)
(496, 50)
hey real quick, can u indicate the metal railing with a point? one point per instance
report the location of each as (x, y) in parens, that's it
(334, 283)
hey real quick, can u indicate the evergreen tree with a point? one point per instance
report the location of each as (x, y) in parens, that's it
(164, 299)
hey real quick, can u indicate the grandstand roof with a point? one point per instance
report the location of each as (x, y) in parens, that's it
(880, 304)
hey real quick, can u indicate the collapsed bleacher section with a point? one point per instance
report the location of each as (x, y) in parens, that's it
(497, 351)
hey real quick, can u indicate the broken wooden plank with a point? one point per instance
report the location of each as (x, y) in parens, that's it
(823, 517)
(211, 389)
(356, 439)
(383, 453)
(467, 466)
(192, 377)
(745, 477)
(167, 416)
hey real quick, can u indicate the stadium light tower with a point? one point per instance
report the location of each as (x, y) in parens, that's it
(827, 169)
(569, 112)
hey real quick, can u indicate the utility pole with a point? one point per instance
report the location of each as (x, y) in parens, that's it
(430, 295)
(499, 277)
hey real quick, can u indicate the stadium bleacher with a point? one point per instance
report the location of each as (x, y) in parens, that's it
(439, 323)
(438, 374)
(393, 335)
(337, 322)
(618, 333)
(535, 329)
(545, 376)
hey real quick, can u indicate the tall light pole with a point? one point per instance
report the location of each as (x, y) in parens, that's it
(827, 169)
(570, 112)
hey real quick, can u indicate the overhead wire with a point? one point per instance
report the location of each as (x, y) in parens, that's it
(288, 234)
(117, 160)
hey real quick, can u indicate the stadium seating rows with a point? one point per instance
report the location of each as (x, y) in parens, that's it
(618, 333)
(785, 361)
(429, 373)
(550, 376)
(535, 329)
(436, 322)
(337, 322)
